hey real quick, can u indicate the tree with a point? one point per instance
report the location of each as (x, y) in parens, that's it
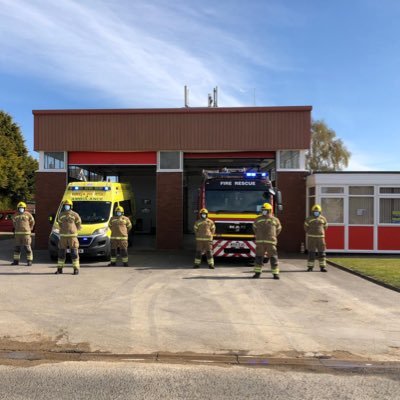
(327, 152)
(17, 167)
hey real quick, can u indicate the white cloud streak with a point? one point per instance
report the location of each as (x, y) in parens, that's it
(139, 53)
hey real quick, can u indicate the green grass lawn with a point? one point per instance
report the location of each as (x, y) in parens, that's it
(383, 269)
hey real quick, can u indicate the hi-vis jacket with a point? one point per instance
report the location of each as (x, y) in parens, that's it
(69, 223)
(204, 229)
(267, 229)
(23, 223)
(120, 226)
(315, 226)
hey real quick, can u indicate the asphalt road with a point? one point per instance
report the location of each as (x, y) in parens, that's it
(91, 380)
(160, 304)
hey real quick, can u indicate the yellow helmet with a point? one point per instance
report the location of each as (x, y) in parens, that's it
(316, 207)
(67, 202)
(119, 208)
(266, 206)
(204, 211)
(21, 204)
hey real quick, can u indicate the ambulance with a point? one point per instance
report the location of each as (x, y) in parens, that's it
(95, 203)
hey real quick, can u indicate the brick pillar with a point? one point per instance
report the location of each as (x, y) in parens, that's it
(50, 187)
(293, 188)
(169, 224)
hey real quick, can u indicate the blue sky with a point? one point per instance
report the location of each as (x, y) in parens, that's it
(341, 57)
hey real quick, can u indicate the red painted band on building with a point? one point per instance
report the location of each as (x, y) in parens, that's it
(242, 154)
(112, 158)
(361, 237)
(334, 237)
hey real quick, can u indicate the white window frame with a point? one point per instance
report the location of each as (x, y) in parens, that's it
(170, 170)
(41, 162)
(302, 161)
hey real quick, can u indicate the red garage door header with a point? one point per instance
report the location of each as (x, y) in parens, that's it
(242, 154)
(112, 158)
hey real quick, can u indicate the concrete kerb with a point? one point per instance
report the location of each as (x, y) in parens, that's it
(322, 364)
(366, 277)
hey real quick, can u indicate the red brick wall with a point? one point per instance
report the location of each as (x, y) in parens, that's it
(50, 187)
(169, 224)
(293, 188)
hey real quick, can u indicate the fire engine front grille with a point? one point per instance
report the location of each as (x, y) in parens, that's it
(244, 228)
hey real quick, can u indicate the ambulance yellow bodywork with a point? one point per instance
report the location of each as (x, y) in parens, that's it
(95, 202)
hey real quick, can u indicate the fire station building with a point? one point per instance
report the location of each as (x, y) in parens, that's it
(162, 153)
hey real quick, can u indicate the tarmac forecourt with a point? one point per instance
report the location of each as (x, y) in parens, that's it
(161, 310)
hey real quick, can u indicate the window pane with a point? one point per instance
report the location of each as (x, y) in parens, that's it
(170, 160)
(311, 191)
(54, 160)
(360, 190)
(327, 190)
(390, 190)
(289, 159)
(311, 202)
(332, 209)
(389, 211)
(361, 210)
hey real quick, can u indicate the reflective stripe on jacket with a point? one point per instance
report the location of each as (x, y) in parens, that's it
(69, 223)
(267, 229)
(315, 226)
(23, 223)
(120, 226)
(204, 229)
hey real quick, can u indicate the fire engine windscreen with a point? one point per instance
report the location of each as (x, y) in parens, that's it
(92, 212)
(244, 201)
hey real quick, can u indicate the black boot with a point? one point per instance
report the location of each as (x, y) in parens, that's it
(29, 263)
(196, 266)
(126, 264)
(276, 276)
(256, 275)
(59, 271)
(309, 269)
(112, 264)
(76, 271)
(211, 267)
(15, 262)
(323, 269)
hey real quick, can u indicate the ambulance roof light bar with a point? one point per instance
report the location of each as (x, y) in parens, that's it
(89, 188)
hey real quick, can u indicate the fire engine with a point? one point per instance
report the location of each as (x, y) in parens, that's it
(233, 198)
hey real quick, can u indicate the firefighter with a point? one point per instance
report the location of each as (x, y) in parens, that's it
(120, 227)
(204, 229)
(266, 228)
(23, 224)
(70, 223)
(315, 227)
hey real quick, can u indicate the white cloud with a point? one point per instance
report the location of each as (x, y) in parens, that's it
(377, 160)
(139, 53)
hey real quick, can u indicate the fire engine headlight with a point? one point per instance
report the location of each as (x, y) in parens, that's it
(100, 231)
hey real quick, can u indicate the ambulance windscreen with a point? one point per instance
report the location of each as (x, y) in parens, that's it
(93, 212)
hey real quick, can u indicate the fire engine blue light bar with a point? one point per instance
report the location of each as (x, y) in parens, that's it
(256, 174)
